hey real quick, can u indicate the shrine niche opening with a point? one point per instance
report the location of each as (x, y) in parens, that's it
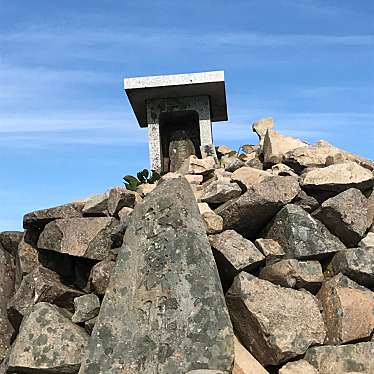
(180, 137)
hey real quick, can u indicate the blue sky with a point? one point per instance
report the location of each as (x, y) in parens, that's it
(66, 127)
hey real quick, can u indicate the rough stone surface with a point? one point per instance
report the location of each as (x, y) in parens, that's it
(342, 359)
(249, 213)
(213, 222)
(338, 177)
(234, 253)
(220, 191)
(261, 126)
(348, 310)
(194, 165)
(39, 218)
(124, 214)
(48, 342)
(145, 189)
(357, 264)
(10, 240)
(274, 323)
(40, 285)
(276, 145)
(223, 150)
(244, 362)
(100, 276)
(194, 179)
(308, 203)
(81, 237)
(247, 176)
(300, 235)
(86, 307)
(97, 204)
(271, 249)
(7, 281)
(298, 367)
(345, 215)
(370, 215)
(295, 274)
(120, 197)
(367, 241)
(164, 307)
(234, 163)
(283, 170)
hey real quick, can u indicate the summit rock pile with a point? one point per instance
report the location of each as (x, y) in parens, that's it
(260, 263)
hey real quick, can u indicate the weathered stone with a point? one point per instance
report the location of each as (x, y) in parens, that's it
(194, 179)
(370, 214)
(342, 359)
(338, 177)
(233, 253)
(48, 342)
(308, 203)
(213, 222)
(89, 325)
(7, 282)
(348, 310)
(145, 189)
(250, 213)
(244, 362)
(300, 235)
(223, 150)
(164, 306)
(274, 323)
(255, 163)
(81, 237)
(367, 241)
(220, 191)
(357, 264)
(40, 285)
(181, 147)
(261, 126)
(283, 170)
(86, 307)
(96, 205)
(322, 154)
(271, 249)
(39, 218)
(100, 276)
(294, 274)
(298, 367)
(10, 240)
(194, 165)
(234, 163)
(120, 197)
(345, 215)
(276, 145)
(124, 214)
(247, 176)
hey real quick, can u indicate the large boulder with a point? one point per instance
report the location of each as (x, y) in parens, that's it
(81, 237)
(357, 264)
(348, 310)
(345, 215)
(48, 342)
(97, 205)
(301, 236)
(250, 213)
(274, 323)
(164, 306)
(342, 359)
(7, 281)
(247, 176)
(39, 218)
(220, 191)
(338, 178)
(120, 197)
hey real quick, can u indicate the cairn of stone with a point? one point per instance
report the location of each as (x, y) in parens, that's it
(261, 263)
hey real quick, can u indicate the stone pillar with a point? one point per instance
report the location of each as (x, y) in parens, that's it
(154, 146)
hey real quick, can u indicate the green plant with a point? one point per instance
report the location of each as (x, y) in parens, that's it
(142, 177)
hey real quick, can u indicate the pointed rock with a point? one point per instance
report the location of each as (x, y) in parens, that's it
(261, 126)
(164, 306)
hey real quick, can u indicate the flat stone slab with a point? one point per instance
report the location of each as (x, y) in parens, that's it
(212, 84)
(164, 311)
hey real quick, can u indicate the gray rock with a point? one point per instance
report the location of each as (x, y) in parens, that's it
(271, 249)
(357, 264)
(274, 323)
(48, 342)
(97, 205)
(234, 164)
(9, 240)
(7, 281)
(250, 213)
(86, 307)
(301, 236)
(89, 325)
(212, 221)
(295, 274)
(233, 253)
(120, 197)
(100, 276)
(220, 191)
(342, 359)
(345, 215)
(164, 306)
(39, 218)
(80, 237)
(308, 203)
(40, 285)
(370, 215)
(255, 163)
(367, 241)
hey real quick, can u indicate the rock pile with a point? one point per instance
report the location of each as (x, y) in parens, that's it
(262, 264)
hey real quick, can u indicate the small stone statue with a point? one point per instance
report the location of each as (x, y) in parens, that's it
(181, 147)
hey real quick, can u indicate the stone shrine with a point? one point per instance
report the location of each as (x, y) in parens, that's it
(178, 111)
